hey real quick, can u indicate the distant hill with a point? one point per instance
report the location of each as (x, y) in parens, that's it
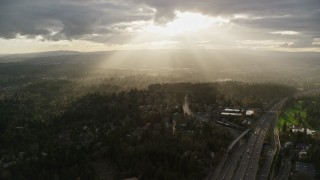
(21, 57)
(199, 65)
(196, 59)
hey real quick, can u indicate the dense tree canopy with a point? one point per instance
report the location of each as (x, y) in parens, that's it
(59, 128)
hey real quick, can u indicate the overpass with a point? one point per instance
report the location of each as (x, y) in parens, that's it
(227, 156)
(238, 139)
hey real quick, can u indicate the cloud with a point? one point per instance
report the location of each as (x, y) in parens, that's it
(63, 19)
(285, 17)
(285, 32)
(316, 42)
(115, 21)
(306, 23)
(262, 44)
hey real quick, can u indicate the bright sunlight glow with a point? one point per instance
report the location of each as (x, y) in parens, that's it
(184, 22)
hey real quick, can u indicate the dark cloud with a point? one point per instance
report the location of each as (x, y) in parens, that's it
(79, 19)
(230, 7)
(68, 19)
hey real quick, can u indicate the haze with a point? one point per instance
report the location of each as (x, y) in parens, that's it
(160, 89)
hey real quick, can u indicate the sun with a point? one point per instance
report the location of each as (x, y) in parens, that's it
(185, 22)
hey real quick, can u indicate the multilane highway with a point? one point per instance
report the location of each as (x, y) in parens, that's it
(243, 162)
(249, 163)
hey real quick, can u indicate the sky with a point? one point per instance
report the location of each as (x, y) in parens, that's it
(103, 25)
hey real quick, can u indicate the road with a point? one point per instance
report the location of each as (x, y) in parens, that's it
(232, 165)
(267, 163)
(227, 167)
(272, 150)
(186, 108)
(250, 160)
(243, 164)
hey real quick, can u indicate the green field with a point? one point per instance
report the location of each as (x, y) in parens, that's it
(288, 115)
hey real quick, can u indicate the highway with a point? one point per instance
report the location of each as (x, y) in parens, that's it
(272, 150)
(226, 168)
(231, 167)
(249, 163)
(243, 161)
(267, 164)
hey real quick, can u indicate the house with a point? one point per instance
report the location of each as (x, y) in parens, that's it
(308, 131)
